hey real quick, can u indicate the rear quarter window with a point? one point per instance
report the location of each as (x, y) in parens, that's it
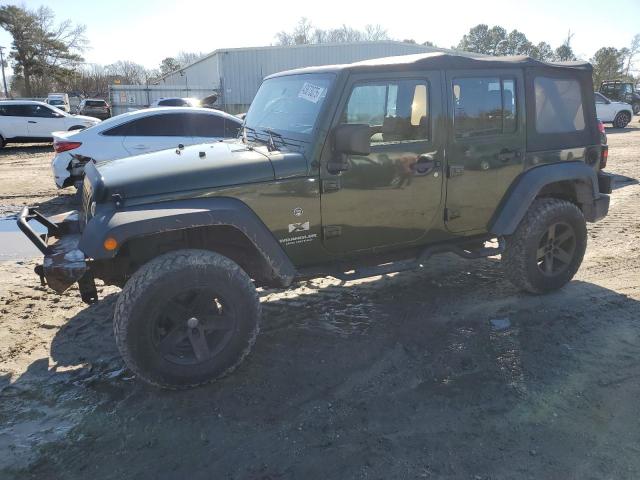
(558, 105)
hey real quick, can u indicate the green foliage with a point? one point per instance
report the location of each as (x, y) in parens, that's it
(169, 65)
(41, 51)
(608, 64)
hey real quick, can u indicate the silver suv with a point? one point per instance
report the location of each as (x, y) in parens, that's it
(95, 107)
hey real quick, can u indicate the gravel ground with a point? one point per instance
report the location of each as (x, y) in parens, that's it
(448, 372)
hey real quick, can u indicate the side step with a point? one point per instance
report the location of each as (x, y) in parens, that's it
(412, 264)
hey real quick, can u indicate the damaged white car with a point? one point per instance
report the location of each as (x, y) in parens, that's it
(135, 133)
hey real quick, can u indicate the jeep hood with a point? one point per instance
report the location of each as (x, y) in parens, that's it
(196, 167)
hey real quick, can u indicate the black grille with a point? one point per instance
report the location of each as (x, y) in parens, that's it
(87, 197)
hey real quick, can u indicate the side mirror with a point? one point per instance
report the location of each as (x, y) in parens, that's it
(352, 139)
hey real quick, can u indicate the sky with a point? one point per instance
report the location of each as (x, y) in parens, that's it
(146, 31)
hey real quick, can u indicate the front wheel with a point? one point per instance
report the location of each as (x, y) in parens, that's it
(546, 250)
(186, 318)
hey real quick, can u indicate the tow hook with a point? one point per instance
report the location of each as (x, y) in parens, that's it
(39, 269)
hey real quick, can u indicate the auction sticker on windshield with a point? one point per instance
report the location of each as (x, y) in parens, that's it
(311, 92)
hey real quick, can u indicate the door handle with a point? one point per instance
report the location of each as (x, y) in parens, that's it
(139, 147)
(507, 155)
(31, 121)
(425, 164)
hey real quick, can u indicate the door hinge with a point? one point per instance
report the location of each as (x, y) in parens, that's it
(331, 185)
(451, 214)
(331, 231)
(454, 170)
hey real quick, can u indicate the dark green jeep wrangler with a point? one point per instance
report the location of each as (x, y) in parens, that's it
(351, 171)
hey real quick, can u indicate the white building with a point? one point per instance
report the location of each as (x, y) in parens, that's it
(236, 73)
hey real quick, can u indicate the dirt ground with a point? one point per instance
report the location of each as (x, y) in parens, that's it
(448, 372)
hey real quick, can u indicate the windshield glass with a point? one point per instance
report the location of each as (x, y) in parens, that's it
(290, 104)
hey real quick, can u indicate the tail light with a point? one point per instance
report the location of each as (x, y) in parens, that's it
(604, 155)
(60, 147)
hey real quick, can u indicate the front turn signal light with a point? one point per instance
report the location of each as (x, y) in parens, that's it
(110, 244)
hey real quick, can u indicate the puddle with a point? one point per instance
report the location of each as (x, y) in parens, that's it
(14, 245)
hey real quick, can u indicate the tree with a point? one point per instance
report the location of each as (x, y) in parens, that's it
(608, 64)
(185, 58)
(564, 52)
(129, 72)
(515, 43)
(542, 51)
(482, 39)
(632, 51)
(41, 51)
(169, 65)
(305, 33)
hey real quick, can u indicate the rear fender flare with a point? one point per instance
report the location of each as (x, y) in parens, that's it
(519, 197)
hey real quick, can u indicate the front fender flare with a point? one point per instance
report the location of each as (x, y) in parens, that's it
(519, 197)
(137, 221)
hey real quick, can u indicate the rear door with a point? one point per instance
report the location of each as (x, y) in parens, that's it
(393, 195)
(156, 132)
(604, 109)
(486, 144)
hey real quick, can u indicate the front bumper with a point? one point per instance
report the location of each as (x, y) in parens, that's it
(64, 264)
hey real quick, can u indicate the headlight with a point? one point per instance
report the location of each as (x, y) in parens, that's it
(92, 209)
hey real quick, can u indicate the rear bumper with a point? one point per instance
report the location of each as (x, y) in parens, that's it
(63, 264)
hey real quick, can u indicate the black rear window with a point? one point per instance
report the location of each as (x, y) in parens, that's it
(95, 103)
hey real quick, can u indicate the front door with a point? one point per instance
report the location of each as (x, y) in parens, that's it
(393, 195)
(42, 121)
(486, 144)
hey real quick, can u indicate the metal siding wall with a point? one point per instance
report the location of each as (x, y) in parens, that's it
(127, 98)
(204, 74)
(243, 70)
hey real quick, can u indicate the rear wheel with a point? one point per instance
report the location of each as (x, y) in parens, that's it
(186, 318)
(546, 250)
(622, 119)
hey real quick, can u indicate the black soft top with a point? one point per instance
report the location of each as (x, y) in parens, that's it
(440, 60)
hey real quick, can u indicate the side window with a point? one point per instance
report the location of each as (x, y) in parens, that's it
(232, 128)
(125, 130)
(484, 106)
(396, 111)
(201, 125)
(173, 102)
(558, 105)
(14, 110)
(39, 111)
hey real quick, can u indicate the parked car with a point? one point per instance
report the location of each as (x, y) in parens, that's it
(177, 102)
(59, 100)
(137, 132)
(190, 233)
(95, 107)
(26, 121)
(622, 92)
(617, 113)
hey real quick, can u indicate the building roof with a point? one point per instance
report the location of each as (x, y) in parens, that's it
(439, 60)
(303, 46)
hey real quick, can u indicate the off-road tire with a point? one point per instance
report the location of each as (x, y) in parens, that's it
(157, 280)
(622, 119)
(520, 260)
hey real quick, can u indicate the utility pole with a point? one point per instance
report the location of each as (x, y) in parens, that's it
(4, 79)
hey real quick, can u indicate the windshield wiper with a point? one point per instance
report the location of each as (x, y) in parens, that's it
(268, 143)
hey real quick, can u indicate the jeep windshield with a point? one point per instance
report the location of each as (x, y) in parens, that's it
(287, 107)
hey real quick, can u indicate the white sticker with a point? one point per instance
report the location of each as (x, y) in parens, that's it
(311, 92)
(298, 227)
